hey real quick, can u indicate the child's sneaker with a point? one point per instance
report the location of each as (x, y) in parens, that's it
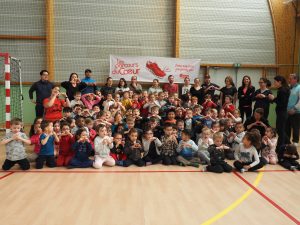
(204, 168)
(148, 163)
(293, 168)
(243, 170)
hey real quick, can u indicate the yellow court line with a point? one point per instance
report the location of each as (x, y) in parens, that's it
(236, 203)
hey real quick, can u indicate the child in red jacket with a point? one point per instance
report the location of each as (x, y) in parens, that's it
(228, 106)
(65, 146)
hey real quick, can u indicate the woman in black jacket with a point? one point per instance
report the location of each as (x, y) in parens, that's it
(283, 94)
(261, 97)
(73, 85)
(245, 94)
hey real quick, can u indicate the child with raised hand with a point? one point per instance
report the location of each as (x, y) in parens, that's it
(66, 141)
(203, 143)
(92, 133)
(151, 146)
(82, 151)
(117, 152)
(246, 155)
(269, 142)
(47, 139)
(288, 156)
(169, 146)
(187, 150)
(108, 102)
(14, 144)
(133, 150)
(90, 99)
(217, 156)
(103, 144)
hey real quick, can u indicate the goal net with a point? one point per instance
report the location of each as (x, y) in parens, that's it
(11, 96)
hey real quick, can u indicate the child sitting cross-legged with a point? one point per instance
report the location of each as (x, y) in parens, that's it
(187, 150)
(217, 156)
(133, 149)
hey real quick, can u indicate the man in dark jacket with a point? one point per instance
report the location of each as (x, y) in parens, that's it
(42, 89)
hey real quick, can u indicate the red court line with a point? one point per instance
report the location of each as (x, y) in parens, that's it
(6, 175)
(268, 199)
(107, 171)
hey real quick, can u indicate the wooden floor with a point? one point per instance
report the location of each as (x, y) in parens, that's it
(151, 195)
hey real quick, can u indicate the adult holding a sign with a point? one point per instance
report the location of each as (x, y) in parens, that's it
(171, 87)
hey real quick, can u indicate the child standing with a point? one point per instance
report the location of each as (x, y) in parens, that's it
(47, 139)
(169, 146)
(117, 152)
(82, 149)
(65, 146)
(187, 150)
(103, 144)
(14, 144)
(217, 156)
(133, 149)
(246, 152)
(270, 142)
(151, 146)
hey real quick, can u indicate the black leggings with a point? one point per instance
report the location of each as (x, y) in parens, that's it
(130, 162)
(50, 161)
(219, 167)
(24, 164)
(247, 111)
(240, 165)
(281, 119)
(169, 160)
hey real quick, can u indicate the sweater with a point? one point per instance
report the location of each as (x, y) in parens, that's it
(131, 152)
(151, 147)
(187, 152)
(101, 149)
(82, 150)
(246, 155)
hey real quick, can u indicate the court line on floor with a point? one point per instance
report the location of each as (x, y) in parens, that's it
(236, 203)
(128, 171)
(268, 199)
(6, 175)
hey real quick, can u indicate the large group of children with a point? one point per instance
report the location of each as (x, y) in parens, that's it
(143, 129)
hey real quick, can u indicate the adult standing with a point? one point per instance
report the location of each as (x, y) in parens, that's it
(261, 97)
(186, 87)
(155, 88)
(42, 89)
(208, 87)
(283, 93)
(90, 82)
(122, 86)
(171, 87)
(108, 87)
(73, 85)
(54, 105)
(228, 89)
(245, 94)
(135, 86)
(197, 91)
(293, 120)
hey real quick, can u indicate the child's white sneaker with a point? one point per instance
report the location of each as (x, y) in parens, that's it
(293, 168)
(242, 170)
(204, 168)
